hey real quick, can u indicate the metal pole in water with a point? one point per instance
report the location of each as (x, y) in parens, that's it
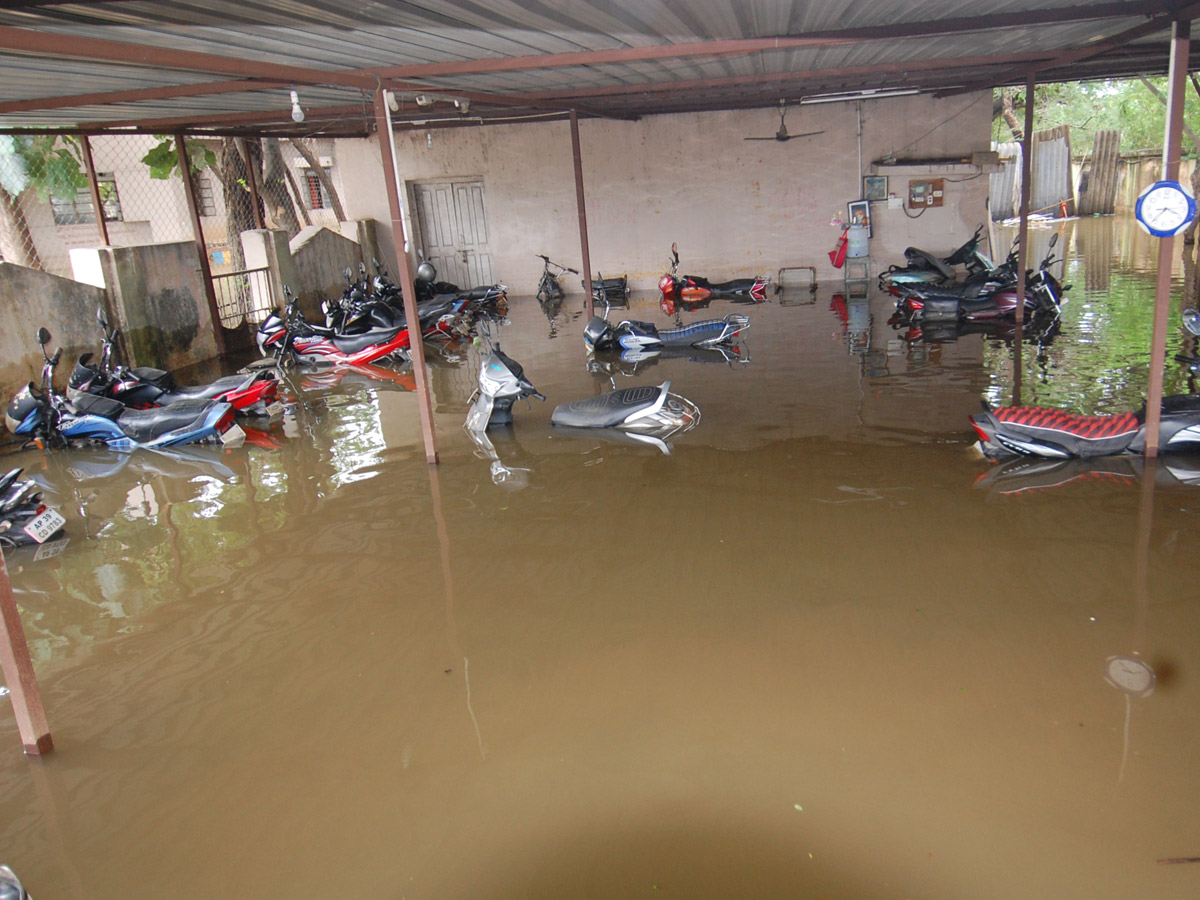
(17, 666)
(1023, 235)
(579, 200)
(391, 180)
(1180, 40)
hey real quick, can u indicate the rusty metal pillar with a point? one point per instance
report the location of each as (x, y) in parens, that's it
(387, 151)
(89, 166)
(1176, 87)
(17, 667)
(1023, 236)
(189, 189)
(582, 207)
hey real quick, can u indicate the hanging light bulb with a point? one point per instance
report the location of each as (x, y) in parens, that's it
(297, 112)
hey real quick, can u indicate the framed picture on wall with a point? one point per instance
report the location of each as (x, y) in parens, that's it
(875, 187)
(860, 213)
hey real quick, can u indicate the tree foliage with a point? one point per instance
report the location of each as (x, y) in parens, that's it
(163, 157)
(1126, 105)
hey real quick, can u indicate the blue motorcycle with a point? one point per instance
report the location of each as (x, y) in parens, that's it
(50, 420)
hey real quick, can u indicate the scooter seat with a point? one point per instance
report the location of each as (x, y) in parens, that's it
(354, 343)
(701, 332)
(222, 385)
(1087, 427)
(145, 424)
(609, 409)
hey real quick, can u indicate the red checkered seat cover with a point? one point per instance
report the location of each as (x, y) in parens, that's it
(1088, 427)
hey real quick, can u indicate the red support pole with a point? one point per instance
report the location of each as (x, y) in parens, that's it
(17, 667)
(1176, 88)
(1023, 235)
(582, 207)
(383, 129)
(89, 166)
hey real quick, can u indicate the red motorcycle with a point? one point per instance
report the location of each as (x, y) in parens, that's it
(288, 334)
(696, 287)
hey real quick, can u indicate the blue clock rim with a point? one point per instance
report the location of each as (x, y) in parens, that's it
(1173, 185)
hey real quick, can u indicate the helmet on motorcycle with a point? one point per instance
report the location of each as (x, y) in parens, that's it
(426, 272)
(666, 284)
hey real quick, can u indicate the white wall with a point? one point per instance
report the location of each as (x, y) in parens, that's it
(735, 207)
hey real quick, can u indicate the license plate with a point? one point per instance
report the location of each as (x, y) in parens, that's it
(51, 549)
(233, 435)
(42, 526)
(275, 410)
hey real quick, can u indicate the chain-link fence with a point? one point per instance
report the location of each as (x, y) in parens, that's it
(47, 206)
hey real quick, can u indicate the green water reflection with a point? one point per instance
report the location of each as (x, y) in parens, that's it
(1099, 361)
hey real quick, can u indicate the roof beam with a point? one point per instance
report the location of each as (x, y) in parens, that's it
(567, 96)
(1157, 23)
(1085, 12)
(57, 44)
(167, 92)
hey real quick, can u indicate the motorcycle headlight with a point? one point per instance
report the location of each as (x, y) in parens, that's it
(490, 383)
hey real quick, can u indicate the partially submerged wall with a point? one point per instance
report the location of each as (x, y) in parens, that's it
(30, 299)
(319, 256)
(159, 300)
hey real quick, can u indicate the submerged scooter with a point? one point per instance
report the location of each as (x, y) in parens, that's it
(1055, 433)
(599, 335)
(650, 415)
(923, 268)
(251, 394)
(993, 298)
(696, 287)
(48, 419)
(10, 886)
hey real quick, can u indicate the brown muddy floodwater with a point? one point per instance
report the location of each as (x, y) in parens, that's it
(820, 650)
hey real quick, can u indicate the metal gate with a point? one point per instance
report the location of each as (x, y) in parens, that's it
(452, 220)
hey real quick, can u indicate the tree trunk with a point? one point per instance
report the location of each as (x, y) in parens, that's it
(239, 208)
(322, 176)
(1010, 117)
(16, 243)
(274, 192)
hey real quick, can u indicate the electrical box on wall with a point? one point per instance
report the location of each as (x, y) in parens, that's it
(925, 193)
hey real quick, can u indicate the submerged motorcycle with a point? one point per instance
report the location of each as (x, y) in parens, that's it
(252, 394)
(696, 287)
(1055, 433)
(993, 298)
(923, 268)
(599, 335)
(650, 415)
(24, 516)
(49, 419)
(287, 336)
(10, 885)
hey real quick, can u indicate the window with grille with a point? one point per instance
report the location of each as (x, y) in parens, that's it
(318, 197)
(79, 211)
(205, 204)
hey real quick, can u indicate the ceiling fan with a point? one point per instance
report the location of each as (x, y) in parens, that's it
(782, 133)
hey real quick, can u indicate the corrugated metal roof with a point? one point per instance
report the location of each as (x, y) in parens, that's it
(623, 58)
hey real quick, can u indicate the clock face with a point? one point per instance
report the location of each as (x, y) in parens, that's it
(1130, 675)
(1165, 208)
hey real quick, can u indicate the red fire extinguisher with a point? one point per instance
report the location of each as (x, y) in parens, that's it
(837, 255)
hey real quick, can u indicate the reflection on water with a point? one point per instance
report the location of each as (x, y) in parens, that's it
(820, 650)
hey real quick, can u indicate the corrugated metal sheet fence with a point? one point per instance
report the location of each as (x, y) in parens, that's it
(1052, 186)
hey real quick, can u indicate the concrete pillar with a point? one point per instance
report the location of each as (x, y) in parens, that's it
(268, 249)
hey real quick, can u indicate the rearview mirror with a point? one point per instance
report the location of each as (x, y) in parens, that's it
(43, 336)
